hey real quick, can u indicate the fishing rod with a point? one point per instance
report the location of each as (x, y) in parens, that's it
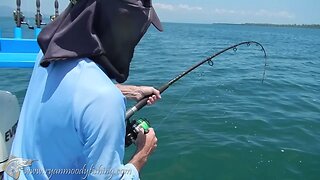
(19, 20)
(56, 10)
(18, 15)
(143, 101)
(38, 19)
(133, 127)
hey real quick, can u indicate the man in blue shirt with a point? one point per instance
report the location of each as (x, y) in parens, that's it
(72, 123)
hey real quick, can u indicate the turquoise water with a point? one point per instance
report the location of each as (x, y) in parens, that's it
(221, 122)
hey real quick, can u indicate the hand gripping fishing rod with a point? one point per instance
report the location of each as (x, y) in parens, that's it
(132, 127)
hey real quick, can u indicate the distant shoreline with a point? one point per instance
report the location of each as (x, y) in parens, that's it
(311, 26)
(316, 26)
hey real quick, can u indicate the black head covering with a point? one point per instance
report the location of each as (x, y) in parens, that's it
(106, 31)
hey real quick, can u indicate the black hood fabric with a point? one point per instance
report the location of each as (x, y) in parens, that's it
(106, 31)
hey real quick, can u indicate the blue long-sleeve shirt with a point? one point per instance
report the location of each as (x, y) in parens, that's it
(72, 124)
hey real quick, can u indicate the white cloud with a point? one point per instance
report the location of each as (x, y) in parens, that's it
(188, 13)
(172, 7)
(169, 7)
(189, 8)
(224, 11)
(270, 14)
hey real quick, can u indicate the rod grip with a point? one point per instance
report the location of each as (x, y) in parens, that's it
(38, 5)
(163, 88)
(56, 4)
(136, 107)
(143, 102)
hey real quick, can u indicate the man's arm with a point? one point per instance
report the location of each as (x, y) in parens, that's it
(138, 92)
(102, 131)
(146, 144)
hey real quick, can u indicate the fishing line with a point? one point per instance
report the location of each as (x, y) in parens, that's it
(172, 111)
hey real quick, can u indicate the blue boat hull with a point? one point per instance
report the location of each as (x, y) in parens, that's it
(18, 53)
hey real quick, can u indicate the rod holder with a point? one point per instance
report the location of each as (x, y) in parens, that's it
(37, 32)
(17, 32)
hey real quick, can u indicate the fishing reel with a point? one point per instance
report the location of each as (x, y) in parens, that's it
(133, 128)
(19, 19)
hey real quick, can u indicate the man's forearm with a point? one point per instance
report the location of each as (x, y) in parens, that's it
(139, 160)
(145, 143)
(130, 91)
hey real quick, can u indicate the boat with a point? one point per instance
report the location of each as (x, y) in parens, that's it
(16, 52)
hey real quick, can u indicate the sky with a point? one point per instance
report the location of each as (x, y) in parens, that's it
(215, 11)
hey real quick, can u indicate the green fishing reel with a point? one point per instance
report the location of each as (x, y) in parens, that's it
(133, 128)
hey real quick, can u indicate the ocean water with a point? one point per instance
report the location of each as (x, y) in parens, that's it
(221, 121)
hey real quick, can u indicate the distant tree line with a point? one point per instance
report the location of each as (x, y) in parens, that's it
(316, 26)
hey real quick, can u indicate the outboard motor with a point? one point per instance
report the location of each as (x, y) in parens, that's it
(9, 115)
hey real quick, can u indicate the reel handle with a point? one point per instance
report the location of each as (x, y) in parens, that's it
(133, 128)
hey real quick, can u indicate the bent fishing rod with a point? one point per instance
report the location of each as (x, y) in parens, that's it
(132, 128)
(143, 101)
